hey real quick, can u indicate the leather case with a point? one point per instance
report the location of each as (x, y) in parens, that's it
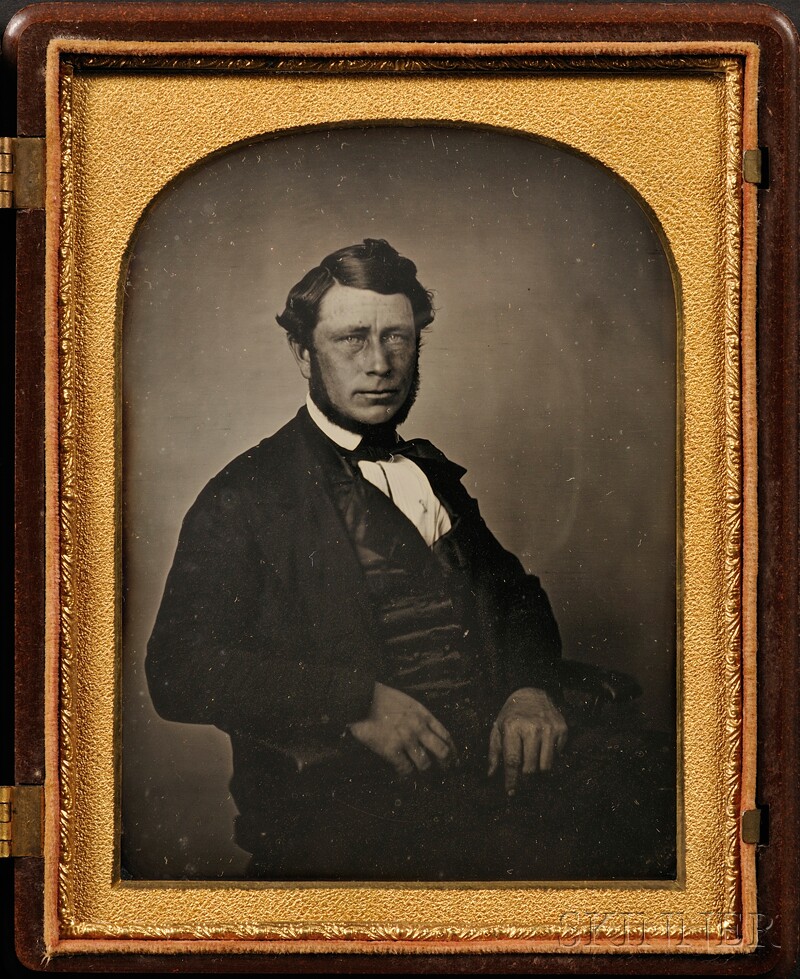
(95, 79)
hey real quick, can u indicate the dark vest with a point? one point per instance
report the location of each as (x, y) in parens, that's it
(422, 604)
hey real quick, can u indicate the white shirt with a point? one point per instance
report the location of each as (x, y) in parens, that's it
(399, 478)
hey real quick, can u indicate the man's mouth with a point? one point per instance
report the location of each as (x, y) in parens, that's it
(382, 395)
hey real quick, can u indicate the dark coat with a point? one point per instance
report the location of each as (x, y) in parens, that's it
(265, 627)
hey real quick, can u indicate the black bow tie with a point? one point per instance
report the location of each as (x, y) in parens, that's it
(382, 448)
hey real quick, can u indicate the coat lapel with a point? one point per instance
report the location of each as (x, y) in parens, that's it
(332, 578)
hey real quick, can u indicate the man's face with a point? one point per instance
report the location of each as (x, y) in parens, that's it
(364, 354)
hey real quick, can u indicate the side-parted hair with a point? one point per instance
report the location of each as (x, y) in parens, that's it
(372, 265)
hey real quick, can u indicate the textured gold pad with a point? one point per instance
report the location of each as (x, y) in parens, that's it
(116, 137)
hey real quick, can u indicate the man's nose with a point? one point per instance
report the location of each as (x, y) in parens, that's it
(376, 359)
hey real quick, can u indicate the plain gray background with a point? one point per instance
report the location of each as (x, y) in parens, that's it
(549, 372)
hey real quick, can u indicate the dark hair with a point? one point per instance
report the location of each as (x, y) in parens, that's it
(372, 265)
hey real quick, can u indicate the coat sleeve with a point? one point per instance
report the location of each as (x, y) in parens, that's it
(224, 650)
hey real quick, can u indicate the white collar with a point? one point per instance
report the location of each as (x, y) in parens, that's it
(343, 438)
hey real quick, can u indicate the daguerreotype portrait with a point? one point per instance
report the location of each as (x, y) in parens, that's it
(426, 614)
(402, 585)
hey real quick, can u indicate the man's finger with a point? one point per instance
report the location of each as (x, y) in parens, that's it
(419, 756)
(561, 738)
(440, 750)
(495, 750)
(533, 745)
(402, 764)
(512, 757)
(548, 749)
(441, 732)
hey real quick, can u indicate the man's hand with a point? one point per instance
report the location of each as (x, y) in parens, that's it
(526, 735)
(403, 732)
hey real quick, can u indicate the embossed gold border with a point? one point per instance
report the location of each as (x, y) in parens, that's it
(707, 230)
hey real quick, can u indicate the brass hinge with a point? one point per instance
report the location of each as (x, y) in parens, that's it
(752, 826)
(21, 820)
(753, 166)
(22, 171)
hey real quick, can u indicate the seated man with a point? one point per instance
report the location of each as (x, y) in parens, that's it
(388, 673)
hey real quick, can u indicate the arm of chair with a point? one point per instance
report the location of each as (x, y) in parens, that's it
(592, 687)
(612, 686)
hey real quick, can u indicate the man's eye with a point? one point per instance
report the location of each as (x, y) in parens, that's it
(395, 338)
(351, 339)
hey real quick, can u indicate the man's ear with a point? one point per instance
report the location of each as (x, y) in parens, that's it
(302, 355)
